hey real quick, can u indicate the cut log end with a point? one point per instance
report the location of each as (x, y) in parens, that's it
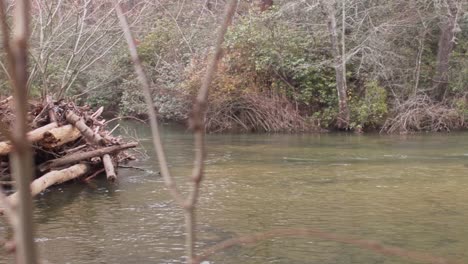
(60, 136)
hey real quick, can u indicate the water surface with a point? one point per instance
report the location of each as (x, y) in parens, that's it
(408, 191)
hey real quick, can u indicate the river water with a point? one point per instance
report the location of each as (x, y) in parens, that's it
(409, 192)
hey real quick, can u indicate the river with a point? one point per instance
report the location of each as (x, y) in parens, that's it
(405, 191)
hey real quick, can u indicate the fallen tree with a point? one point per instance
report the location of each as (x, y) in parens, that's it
(33, 136)
(51, 178)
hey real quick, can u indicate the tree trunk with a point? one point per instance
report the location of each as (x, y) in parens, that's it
(110, 172)
(72, 158)
(6, 147)
(339, 64)
(87, 132)
(59, 136)
(445, 48)
(51, 178)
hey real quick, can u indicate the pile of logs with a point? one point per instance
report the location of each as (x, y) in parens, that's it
(68, 142)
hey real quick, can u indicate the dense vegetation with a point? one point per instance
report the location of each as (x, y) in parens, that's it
(402, 65)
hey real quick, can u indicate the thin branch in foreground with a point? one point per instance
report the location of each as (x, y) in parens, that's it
(21, 158)
(198, 127)
(197, 123)
(373, 246)
(160, 153)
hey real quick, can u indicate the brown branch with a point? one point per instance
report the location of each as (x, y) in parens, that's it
(198, 127)
(197, 122)
(373, 246)
(87, 132)
(72, 158)
(21, 159)
(96, 173)
(161, 156)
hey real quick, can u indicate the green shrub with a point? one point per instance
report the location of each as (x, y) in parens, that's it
(369, 110)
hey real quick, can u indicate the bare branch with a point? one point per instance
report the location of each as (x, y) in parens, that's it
(198, 127)
(197, 123)
(361, 243)
(151, 111)
(21, 158)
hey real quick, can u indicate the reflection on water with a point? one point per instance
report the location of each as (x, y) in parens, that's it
(402, 191)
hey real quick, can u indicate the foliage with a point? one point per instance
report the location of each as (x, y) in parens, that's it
(370, 109)
(267, 58)
(277, 58)
(280, 57)
(459, 69)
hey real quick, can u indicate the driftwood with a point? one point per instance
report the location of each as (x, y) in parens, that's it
(76, 157)
(66, 143)
(109, 166)
(87, 132)
(33, 136)
(53, 177)
(95, 139)
(60, 136)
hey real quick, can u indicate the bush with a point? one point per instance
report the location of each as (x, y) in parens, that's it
(369, 111)
(266, 58)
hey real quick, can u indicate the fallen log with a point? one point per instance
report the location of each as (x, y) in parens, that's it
(87, 132)
(76, 157)
(110, 172)
(33, 136)
(51, 178)
(60, 136)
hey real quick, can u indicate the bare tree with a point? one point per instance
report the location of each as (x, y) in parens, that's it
(339, 62)
(70, 39)
(448, 28)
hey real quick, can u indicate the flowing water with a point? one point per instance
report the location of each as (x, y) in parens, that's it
(409, 192)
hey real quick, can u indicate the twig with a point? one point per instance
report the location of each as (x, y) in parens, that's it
(197, 123)
(361, 243)
(125, 117)
(171, 185)
(198, 127)
(131, 167)
(94, 174)
(113, 129)
(73, 158)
